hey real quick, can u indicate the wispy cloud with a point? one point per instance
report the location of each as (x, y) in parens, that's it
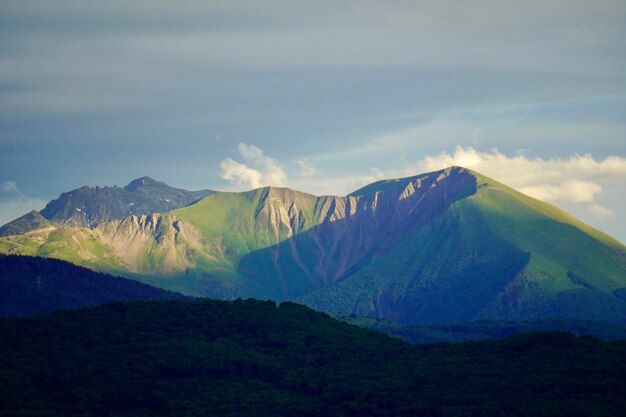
(307, 168)
(601, 212)
(9, 186)
(259, 169)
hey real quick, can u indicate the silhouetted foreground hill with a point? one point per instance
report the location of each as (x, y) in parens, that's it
(30, 285)
(250, 358)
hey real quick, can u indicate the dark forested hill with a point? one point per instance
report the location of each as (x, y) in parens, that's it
(489, 329)
(244, 358)
(30, 285)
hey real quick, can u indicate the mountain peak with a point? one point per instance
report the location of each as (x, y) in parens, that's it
(88, 206)
(143, 182)
(451, 172)
(29, 221)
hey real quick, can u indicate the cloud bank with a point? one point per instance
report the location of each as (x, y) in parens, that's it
(575, 179)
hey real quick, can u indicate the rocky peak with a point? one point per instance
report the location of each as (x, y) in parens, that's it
(28, 222)
(144, 182)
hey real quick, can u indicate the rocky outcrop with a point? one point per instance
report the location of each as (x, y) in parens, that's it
(152, 244)
(88, 207)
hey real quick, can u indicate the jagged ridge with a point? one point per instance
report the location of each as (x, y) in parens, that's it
(88, 207)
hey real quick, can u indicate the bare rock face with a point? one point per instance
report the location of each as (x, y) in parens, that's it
(279, 214)
(151, 244)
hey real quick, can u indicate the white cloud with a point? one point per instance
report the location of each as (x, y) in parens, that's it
(240, 174)
(571, 190)
(259, 169)
(601, 212)
(572, 179)
(9, 186)
(307, 168)
(251, 153)
(575, 182)
(575, 179)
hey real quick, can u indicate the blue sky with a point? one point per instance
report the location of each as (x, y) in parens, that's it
(321, 96)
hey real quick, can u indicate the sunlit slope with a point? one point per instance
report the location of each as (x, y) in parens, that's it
(494, 254)
(245, 222)
(233, 225)
(195, 250)
(79, 246)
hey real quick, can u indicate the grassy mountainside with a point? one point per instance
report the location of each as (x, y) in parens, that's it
(495, 254)
(450, 245)
(30, 285)
(215, 358)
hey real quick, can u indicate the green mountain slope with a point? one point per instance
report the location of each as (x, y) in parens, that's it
(450, 245)
(495, 254)
(242, 358)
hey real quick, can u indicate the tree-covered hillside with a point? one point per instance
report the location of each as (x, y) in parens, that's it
(243, 358)
(31, 285)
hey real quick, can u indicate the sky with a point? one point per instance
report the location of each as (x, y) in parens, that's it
(321, 96)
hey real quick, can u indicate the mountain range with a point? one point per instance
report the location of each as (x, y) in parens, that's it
(450, 245)
(90, 206)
